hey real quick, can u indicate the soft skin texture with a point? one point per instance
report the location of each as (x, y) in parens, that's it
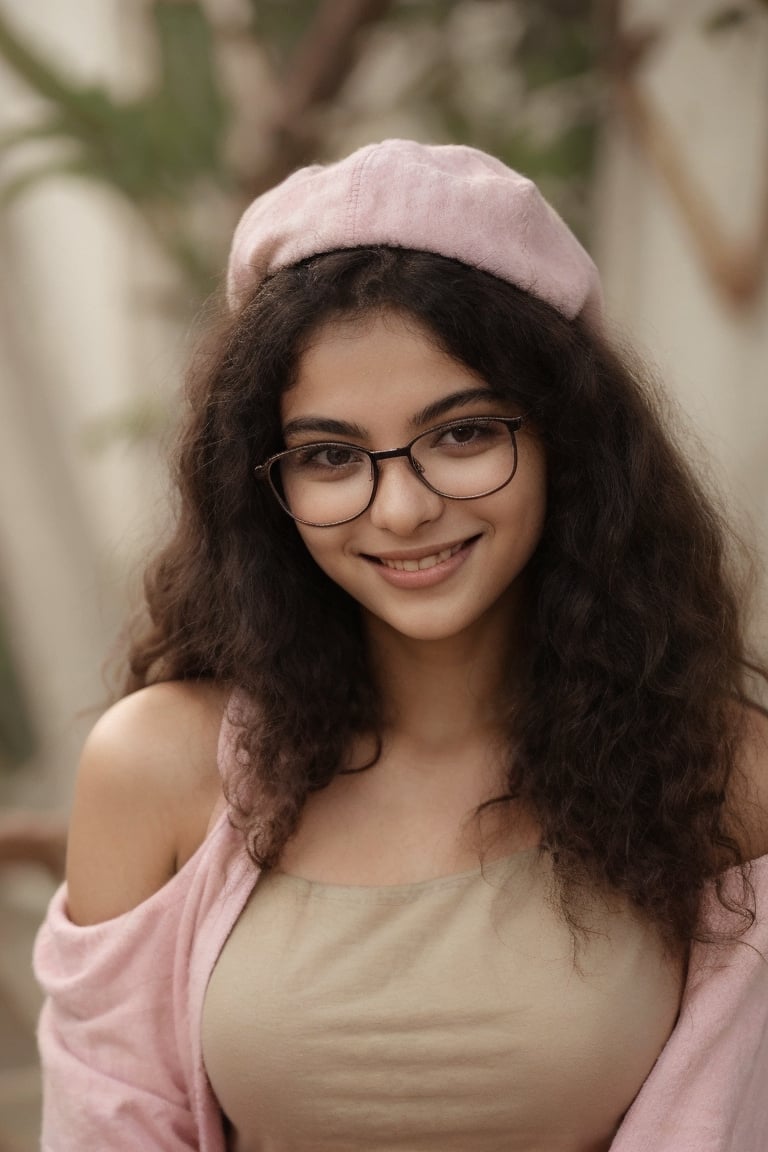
(380, 373)
(147, 791)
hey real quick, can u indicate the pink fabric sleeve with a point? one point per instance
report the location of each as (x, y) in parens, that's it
(107, 1032)
(119, 1032)
(708, 1091)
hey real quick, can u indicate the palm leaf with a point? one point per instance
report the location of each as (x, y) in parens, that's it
(153, 148)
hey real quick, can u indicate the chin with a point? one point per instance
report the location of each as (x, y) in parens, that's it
(430, 624)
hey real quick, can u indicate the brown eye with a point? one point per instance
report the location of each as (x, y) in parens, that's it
(479, 435)
(328, 459)
(338, 457)
(462, 433)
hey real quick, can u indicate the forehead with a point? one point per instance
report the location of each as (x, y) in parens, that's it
(380, 367)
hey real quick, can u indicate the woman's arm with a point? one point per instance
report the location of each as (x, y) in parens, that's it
(113, 954)
(145, 790)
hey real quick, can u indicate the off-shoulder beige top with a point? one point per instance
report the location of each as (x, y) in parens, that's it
(443, 1016)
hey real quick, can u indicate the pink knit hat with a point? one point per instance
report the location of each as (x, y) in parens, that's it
(449, 199)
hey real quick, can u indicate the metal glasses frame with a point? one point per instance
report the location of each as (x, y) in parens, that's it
(264, 471)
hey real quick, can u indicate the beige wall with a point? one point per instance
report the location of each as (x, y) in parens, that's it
(76, 345)
(710, 91)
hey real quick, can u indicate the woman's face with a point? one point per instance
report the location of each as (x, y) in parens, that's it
(377, 377)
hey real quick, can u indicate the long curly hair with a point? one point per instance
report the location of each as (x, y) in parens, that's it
(624, 735)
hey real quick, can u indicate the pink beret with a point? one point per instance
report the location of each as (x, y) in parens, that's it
(449, 199)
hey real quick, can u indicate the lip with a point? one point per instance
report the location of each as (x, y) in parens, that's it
(417, 553)
(423, 577)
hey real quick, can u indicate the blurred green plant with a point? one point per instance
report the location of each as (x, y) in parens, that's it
(730, 16)
(558, 58)
(155, 151)
(161, 151)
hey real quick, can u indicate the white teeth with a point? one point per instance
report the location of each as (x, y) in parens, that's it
(425, 562)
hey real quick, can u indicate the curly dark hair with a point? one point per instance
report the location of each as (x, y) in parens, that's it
(624, 736)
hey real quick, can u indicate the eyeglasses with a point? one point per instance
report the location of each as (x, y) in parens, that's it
(332, 482)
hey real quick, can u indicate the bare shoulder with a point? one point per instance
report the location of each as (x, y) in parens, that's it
(750, 789)
(146, 790)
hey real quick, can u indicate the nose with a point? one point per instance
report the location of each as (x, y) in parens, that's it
(402, 502)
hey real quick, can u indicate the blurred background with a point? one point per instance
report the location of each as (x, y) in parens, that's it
(133, 133)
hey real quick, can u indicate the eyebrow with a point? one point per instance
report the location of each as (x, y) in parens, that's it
(427, 415)
(445, 405)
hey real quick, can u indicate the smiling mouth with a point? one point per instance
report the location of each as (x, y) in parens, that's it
(423, 562)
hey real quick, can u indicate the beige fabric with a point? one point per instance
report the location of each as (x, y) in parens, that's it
(445, 1016)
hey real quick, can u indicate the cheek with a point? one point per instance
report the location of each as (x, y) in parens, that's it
(527, 490)
(522, 530)
(533, 490)
(323, 545)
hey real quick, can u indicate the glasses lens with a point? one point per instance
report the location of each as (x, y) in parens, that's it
(323, 484)
(467, 459)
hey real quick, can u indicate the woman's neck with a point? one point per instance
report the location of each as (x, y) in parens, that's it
(440, 695)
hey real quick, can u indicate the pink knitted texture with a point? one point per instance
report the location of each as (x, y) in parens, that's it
(449, 199)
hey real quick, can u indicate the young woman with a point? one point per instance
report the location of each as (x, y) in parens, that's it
(426, 821)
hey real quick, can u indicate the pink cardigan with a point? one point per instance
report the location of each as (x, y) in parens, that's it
(120, 1030)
